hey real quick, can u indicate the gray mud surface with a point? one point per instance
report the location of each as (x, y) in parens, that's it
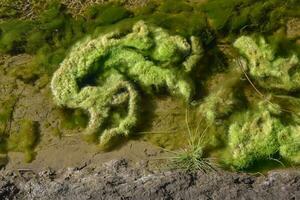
(121, 179)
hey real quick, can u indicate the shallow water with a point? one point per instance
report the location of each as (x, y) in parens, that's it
(163, 126)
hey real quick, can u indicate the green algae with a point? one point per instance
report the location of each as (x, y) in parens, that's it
(6, 111)
(254, 130)
(169, 6)
(72, 119)
(25, 139)
(236, 123)
(54, 31)
(107, 14)
(223, 97)
(290, 145)
(234, 16)
(268, 71)
(254, 136)
(124, 57)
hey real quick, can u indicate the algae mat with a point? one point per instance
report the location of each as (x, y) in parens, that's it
(194, 80)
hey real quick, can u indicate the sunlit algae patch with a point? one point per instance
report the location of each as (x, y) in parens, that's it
(148, 58)
(259, 132)
(268, 70)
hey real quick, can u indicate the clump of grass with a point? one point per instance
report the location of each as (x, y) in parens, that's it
(191, 158)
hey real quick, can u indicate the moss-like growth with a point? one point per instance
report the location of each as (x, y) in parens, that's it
(236, 16)
(107, 14)
(184, 23)
(103, 73)
(53, 31)
(222, 99)
(170, 59)
(168, 6)
(73, 119)
(47, 37)
(290, 144)
(270, 127)
(13, 35)
(253, 135)
(24, 140)
(269, 71)
(6, 114)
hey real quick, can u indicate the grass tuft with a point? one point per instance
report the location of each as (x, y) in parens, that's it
(191, 158)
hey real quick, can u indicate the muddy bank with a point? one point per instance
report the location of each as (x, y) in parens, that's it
(122, 179)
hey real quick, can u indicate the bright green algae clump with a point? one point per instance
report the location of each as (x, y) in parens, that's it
(254, 118)
(260, 132)
(254, 135)
(104, 75)
(268, 70)
(290, 144)
(147, 57)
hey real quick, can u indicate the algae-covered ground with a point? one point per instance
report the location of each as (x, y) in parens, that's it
(194, 85)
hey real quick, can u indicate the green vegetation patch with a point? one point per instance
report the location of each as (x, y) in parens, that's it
(253, 135)
(24, 140)
(246, 90)
(234, 16)
(50, 34)
(148, 56)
